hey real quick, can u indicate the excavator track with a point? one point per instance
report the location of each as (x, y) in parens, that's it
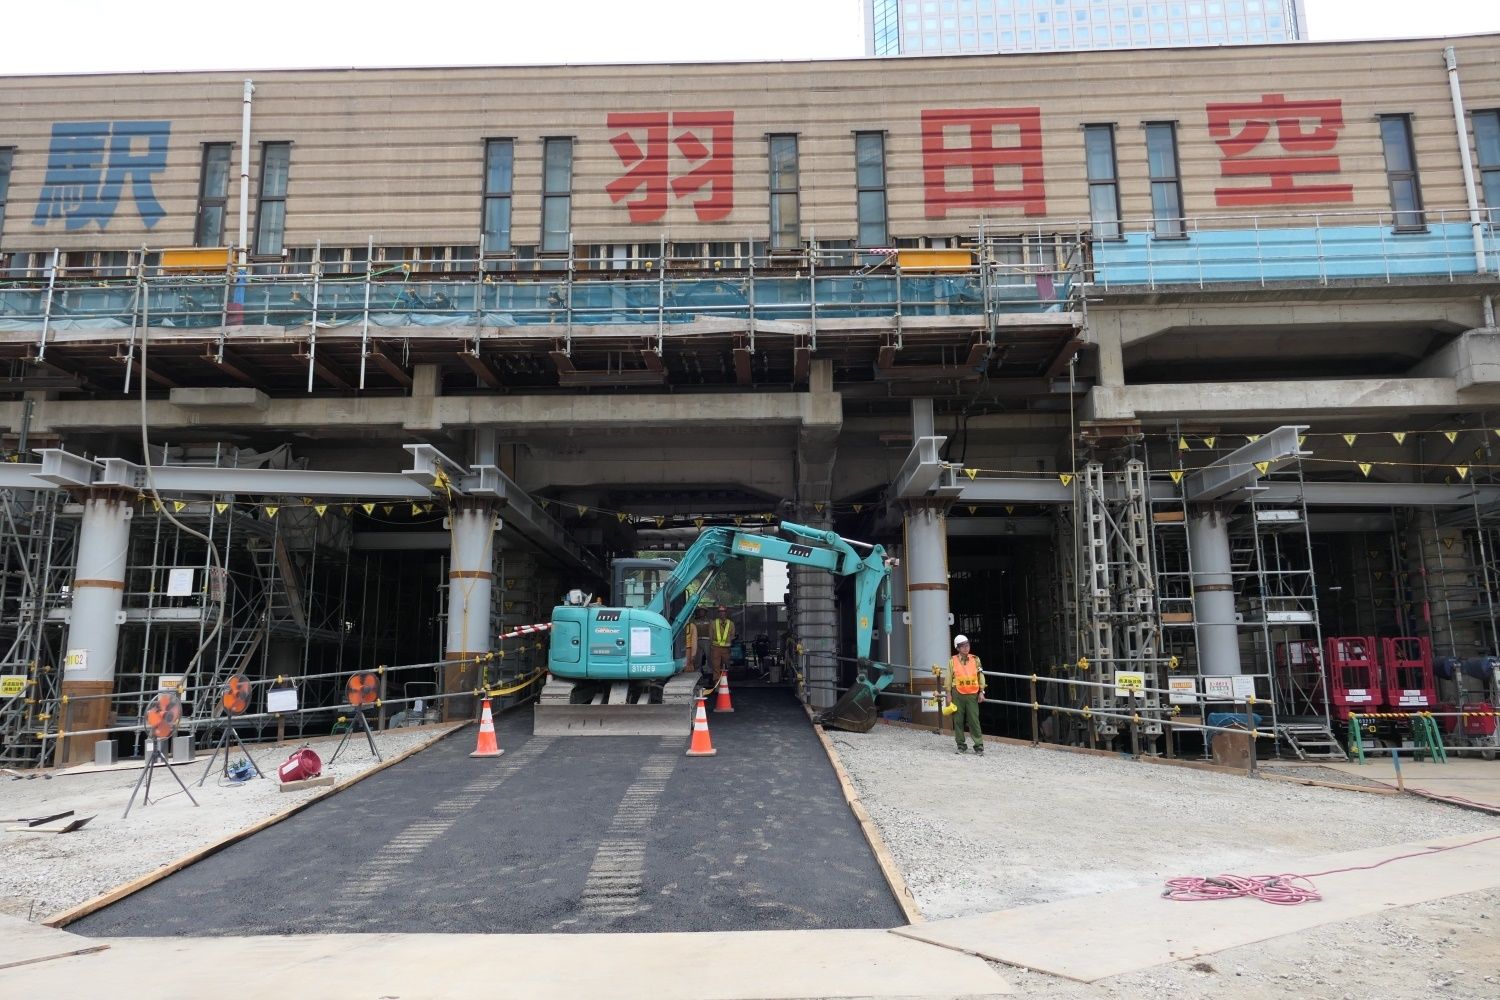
(609, 713)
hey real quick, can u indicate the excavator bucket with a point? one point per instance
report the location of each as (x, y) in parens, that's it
(854, 712)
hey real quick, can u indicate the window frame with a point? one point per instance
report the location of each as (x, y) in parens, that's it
(7, 167)
(551, 197)
(1117, 224)
(1413, 173)
(1485, 173)
(487, 196)
(775, 193)
(262, 199)
(1170, 182)
(205, 201)
(861, 189)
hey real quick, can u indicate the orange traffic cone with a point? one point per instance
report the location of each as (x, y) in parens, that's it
(487, 746)
(722, 704)
(701, 746)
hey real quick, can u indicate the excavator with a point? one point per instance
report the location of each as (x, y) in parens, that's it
(621, 670)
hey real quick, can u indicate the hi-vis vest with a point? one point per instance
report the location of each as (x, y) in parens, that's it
(723, 629)
(965, 675)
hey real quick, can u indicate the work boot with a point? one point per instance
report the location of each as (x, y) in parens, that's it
(961, 749)
(979, 749)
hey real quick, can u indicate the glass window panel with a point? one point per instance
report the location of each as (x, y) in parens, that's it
(1166, 209)
(555, 224)
(557, 165)
(1486, 139)
(497, 224)
(216, 170)
(783, 162)
(871, 210)
(1099, 146)
(869, 155)
(1160, 151)
(271, 228)
(275, 164)
(210, 225)
(1104, 210)
(785, 225)
(499, 166)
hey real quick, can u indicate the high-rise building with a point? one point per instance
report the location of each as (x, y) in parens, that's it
(954, 27)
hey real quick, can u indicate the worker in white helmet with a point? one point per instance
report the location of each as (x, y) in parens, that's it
(965, 691)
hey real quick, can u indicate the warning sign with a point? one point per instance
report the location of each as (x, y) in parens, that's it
(1182, 690)
(1130, 683)
(12, 685)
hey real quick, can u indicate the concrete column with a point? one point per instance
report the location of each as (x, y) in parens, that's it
(471, 577)
(1213, 593)
(816, 612)
(1111, 358)
(93, 627)
(927, 587)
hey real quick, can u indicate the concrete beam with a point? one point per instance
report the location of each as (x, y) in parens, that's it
(1287, 400)
(231, 397)
(1472, 361)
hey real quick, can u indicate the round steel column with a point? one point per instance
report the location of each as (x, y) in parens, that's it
(927, 587)
(471, 577)
(93, 626)
(1213, 593)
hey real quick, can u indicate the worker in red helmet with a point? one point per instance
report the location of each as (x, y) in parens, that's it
(965, 691)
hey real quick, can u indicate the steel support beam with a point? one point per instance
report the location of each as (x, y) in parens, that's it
(1227, 478)
(22, 476)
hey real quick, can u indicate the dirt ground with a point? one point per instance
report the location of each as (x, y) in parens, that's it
(1037, 825)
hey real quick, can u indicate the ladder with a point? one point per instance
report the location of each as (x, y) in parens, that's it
(1311, 740)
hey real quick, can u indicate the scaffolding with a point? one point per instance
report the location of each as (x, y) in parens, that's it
(36, 564)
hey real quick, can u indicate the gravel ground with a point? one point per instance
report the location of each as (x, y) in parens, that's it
(1043, 825)
(45, 873)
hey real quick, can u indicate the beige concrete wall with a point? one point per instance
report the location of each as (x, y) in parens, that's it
(396, 154)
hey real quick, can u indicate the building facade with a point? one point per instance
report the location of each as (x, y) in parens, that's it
(961, 27)
(1058, 340)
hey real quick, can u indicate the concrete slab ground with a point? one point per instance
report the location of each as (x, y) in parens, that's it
(26, 942)
(1462, 779)
(1092, 937)
(775, 965)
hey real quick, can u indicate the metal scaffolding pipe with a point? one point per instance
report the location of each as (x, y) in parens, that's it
(1213, 593)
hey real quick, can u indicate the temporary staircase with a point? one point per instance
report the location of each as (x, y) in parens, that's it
(1312, 740)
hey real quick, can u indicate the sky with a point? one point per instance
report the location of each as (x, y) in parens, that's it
(76, 36)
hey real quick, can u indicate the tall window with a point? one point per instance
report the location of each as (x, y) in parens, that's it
(869, 178)
(270, 210)
(557, 193)
(1104, 180)
(213, 193)
(786, 221)
(1401, 171)
(1486, 138)
(499, 177)
(1166, 184)
(7, 155)
(884, 27)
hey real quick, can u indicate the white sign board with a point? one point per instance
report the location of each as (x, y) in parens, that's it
(1182, 690)
(640, 641)
(281, 700)
(1129, 683)
(172, 682)
(76, 660)
(1218, 688)
(929, 704)
(1244, 687)
(180, 582)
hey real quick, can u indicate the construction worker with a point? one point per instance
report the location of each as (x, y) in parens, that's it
(965, 690)
(723, 638)
(690, 643)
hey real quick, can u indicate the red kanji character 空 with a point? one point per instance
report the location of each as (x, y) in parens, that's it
(1306, 131)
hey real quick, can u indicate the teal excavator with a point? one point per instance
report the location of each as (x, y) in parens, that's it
(622, 670)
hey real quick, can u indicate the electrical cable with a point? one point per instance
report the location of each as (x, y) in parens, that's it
(1281, 890)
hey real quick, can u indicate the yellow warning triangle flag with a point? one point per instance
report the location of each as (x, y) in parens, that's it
(1176, 475)
(971, 473)
(1497, 432)
(697, 522)
(738, 519)
(415, 510)
(1349, 439)
(221, 507)
(582, 510)
(544, 503)
(178, 505)
(368, 508)
(1010, 508)
(1301, 440)
(271, 511)
(1400, 436)
(427, 508)
(1452, 436)
(387, 509)
(621, 516)
(1182, 444)
(660, 520)
(1066, 477)
(1462, 470)
(1252, 438)
(1210, 441)
(858, 507)
(1365, 467)
(818, 507)
(440, 481)
(156, 505)
(1263, 467)
(321, 508)
(973, 508)
(768, 517)
(1447, 541)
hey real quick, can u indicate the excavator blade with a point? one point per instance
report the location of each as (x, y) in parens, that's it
(609, 713)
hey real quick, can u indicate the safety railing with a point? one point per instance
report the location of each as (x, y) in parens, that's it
(1320, 247)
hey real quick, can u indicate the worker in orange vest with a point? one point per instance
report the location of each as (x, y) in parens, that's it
(965, 691)
(723, 638)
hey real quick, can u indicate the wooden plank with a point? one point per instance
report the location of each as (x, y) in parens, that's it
(883, 858)
(119, 892)
(293, 786)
